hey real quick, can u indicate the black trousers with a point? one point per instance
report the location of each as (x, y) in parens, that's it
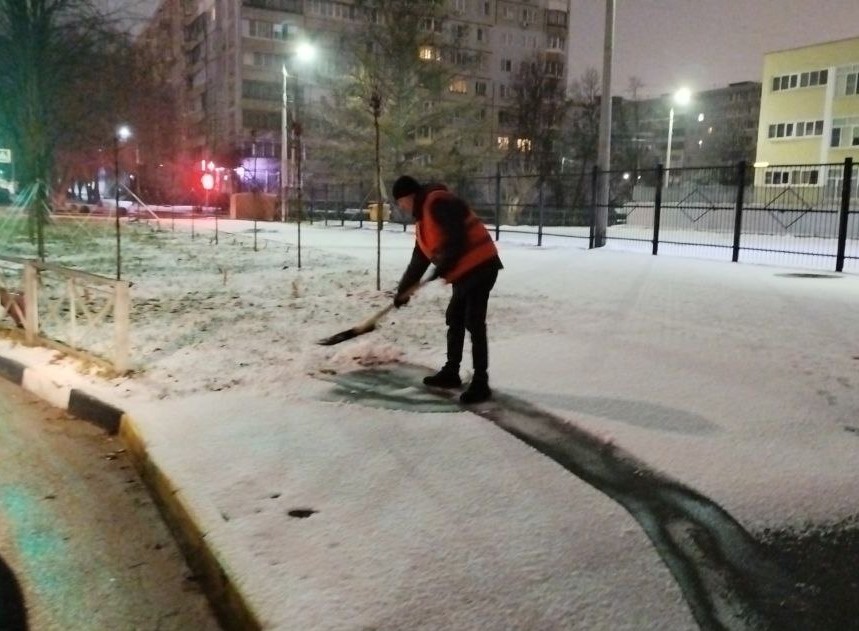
(467, 312)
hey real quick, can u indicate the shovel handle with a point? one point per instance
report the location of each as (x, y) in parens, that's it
(383, 312)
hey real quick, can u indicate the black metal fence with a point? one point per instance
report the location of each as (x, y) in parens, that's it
(801, 215)
(806, 215)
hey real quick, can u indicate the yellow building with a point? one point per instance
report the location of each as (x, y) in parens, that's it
(809, 114)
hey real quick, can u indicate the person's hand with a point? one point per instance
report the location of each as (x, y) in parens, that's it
(401, 300)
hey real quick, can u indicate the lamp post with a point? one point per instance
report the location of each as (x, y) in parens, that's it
(284, 150)
(603, 183)
(208, 182)
(304, 52)
(122, 134)
(681, 97)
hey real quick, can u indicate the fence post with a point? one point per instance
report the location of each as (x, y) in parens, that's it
(497, 202)
(844, 214)
(361, 207)
(592, 232)
(540, 215)
(31, 303)
(121, 323)
(738, 214)
(657, 207)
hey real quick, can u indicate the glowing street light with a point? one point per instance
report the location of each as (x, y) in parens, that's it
(681, 97)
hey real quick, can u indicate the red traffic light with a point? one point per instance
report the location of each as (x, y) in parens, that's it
(208, 181)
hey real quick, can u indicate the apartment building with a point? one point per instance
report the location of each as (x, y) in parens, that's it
(809, 114)
(226, 57)
(717, 127)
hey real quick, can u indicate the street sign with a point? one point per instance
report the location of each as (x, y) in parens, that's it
(5, 156)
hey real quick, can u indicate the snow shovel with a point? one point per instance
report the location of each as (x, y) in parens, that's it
(369, 324)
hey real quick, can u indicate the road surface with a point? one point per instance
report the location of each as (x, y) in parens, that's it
(81, 543)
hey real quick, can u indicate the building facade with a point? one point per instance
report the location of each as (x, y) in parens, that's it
(226, 58)
(716, 128)
(809, 114)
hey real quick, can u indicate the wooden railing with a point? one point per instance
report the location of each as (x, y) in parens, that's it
(79, 313)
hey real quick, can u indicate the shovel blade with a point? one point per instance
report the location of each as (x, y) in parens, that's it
(348, 334)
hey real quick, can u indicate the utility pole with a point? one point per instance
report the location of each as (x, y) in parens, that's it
(604, 144)
(284, 149)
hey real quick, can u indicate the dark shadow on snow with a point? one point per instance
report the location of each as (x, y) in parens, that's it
(729, 579)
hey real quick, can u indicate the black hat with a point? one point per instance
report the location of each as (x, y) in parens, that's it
(405, 185)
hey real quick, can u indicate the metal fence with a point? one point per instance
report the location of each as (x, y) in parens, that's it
(803, 215)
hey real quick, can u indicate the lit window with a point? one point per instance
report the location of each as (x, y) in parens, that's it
(458, 86)
(503, 142)
(429, 53)
(523, 144)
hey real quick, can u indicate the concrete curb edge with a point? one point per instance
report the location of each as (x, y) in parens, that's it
(226, 599)
(232, 609)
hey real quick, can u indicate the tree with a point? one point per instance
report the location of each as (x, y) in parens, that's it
(406, 53)
(58, 55)
(583, 132)
(733, 144)
(539, 110)
(578, 143)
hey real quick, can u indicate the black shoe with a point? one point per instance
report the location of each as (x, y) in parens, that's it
(444, 378)
(477, 392)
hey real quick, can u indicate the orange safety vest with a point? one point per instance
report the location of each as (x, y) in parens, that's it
(479, 247)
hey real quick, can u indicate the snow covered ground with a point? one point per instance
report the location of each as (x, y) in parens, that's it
(738, 380)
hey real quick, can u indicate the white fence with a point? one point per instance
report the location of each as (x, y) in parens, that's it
(83, 314)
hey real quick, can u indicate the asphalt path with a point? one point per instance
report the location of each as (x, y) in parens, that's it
(82, 546)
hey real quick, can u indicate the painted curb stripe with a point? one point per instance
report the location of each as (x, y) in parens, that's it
(46, 388)
(11, 370)
(91, 409)
(232, 609)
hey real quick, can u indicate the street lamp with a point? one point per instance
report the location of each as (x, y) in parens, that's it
(122, 134)
(304, 52)
(681, 97)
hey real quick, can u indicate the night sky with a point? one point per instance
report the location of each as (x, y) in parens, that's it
(700, 44)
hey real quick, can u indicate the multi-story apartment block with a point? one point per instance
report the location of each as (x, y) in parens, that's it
(809, 113)
(228, 55)
(716, 128)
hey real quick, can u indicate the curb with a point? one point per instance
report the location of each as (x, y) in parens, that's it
(229, 604)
